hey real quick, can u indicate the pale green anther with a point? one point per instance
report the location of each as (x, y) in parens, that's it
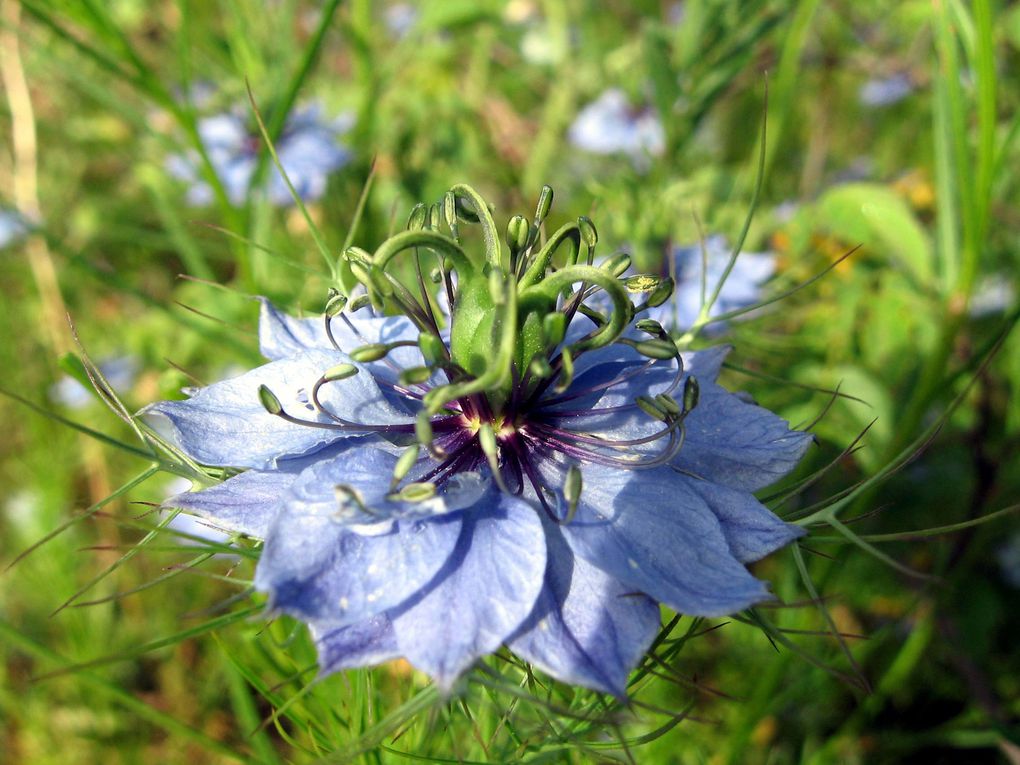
(340, 372)
(416, 220)
(662, 293)
(497, 286)
(487, 440)
(405, 462)
(651, 327)
(539, 367)
(649, 407)
(554, 328)
(450, 212)
(269, 400)
(346, 495)
(668, 404)
(616, 264)
(416, 492)
(436, 275)
(572, 486)
(588, 232)
(655, 349)
(370, 352)
(360, 302)
(361, 273)
(567, 371)
(335, 304)
(435, 215)
(545, 200)
(642, 283)
(423, 430)
(415, 375)
(692, 393)
(517, 232)
(432, 347)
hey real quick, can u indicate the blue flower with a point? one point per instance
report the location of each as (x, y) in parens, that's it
(542, 475)
(308, 148)
(885, 91)
(741, 289)
(12, 227)
(611, 125)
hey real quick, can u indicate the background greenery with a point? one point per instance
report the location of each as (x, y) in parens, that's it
(122, 642)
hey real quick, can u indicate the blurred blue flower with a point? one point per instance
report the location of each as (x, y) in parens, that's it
(885, 91)
(400, 19)
(611, 125)
(308, 148)
(741, 289)
(12, 227)
(406, 513)
(120, 373)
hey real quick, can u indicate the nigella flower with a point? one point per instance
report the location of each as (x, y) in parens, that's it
(542, 475)
(885, 91)
(611, 125)
(309, 150)
(12, 227)
(741, 288)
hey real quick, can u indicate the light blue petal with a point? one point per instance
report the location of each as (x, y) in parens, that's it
(347, 555)
(347, 577)
(225, 424)
(738, 444)
(485, 592)
(650, 531)
(363, 644)
(751, 529)
(248, 502)
(587, 627)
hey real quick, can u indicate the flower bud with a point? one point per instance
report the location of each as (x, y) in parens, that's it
(517, 232)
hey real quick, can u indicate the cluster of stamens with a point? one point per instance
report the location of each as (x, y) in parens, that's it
(496, 390)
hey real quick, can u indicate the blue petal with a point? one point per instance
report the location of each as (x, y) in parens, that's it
(282, 336)
(355, 645)
(751, 529)
(225, 423)
(650, 531)
(587, 627)
(248, 502)
(484, 593)
(317, 565)
(738, 444)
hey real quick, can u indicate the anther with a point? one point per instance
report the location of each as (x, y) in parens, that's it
(572, 486)
(405, 462)
(616, 264)
(692, 393)
(269, 401)
(414, 493)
